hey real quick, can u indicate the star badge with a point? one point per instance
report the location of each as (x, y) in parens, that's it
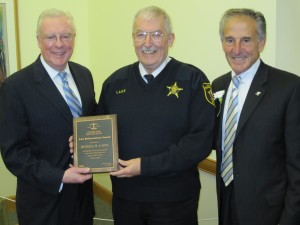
(174, 90)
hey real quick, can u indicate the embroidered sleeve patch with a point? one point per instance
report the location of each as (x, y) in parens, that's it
(208, 93)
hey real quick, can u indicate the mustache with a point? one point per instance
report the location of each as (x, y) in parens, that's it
(146, 49)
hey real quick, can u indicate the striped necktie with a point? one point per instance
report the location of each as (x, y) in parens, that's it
(72, 100)
(230, 129)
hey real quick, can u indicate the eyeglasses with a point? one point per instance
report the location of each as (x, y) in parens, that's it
(154, 36)
(52, 38)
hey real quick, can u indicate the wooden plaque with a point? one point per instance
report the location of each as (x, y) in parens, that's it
(95, 143)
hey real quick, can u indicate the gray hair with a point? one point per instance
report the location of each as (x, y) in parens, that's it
(151, 12)
(257, 16)
(48, 13)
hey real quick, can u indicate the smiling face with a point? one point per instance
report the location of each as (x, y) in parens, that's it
(152, 54)
(57, 52)
(241, 43)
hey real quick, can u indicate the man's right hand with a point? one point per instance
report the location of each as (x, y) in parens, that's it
(75, 175)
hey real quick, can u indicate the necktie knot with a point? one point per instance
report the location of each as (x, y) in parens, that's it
(149, 78)
(236, 81)
(63, 76)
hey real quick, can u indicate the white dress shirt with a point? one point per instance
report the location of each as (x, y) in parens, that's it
(57, 80)
(244, 86)
(155, 72)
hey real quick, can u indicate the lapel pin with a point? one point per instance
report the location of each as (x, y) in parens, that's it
(257, 93)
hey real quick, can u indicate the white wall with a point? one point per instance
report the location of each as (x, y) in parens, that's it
(288, 34)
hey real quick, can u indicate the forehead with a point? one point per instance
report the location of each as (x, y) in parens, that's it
(240, 26)
(56, 24)
(149, 24)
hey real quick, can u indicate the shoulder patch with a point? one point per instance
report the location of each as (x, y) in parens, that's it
(208, 93)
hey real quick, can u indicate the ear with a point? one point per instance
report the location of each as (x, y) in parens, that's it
(132, 36)
(38, 41)
(171, 39)
(261, 44)
(223, 46)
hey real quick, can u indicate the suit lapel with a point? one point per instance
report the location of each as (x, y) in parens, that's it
(224, 84)
(225, 87)
(47, 88)
(78, 78)
(255, 94)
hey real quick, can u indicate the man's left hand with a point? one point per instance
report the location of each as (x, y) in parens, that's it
(128, 168)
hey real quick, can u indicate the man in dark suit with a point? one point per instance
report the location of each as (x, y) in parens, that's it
(258, 147)
(36, 123)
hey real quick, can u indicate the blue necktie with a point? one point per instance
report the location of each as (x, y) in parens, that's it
(72, 100)
(230, 129)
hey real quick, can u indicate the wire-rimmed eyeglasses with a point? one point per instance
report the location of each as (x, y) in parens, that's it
(52, 38)
(154, 36)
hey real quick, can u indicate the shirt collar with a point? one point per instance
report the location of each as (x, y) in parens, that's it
(52, 72)
(248, 75)
(155, 72)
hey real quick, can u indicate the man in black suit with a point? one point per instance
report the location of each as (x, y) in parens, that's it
(36, 123)
(258, 155)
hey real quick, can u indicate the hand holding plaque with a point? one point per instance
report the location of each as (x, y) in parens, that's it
(95, 143)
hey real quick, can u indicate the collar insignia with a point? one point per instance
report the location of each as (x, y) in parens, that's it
(257, 93)
(174, 90)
